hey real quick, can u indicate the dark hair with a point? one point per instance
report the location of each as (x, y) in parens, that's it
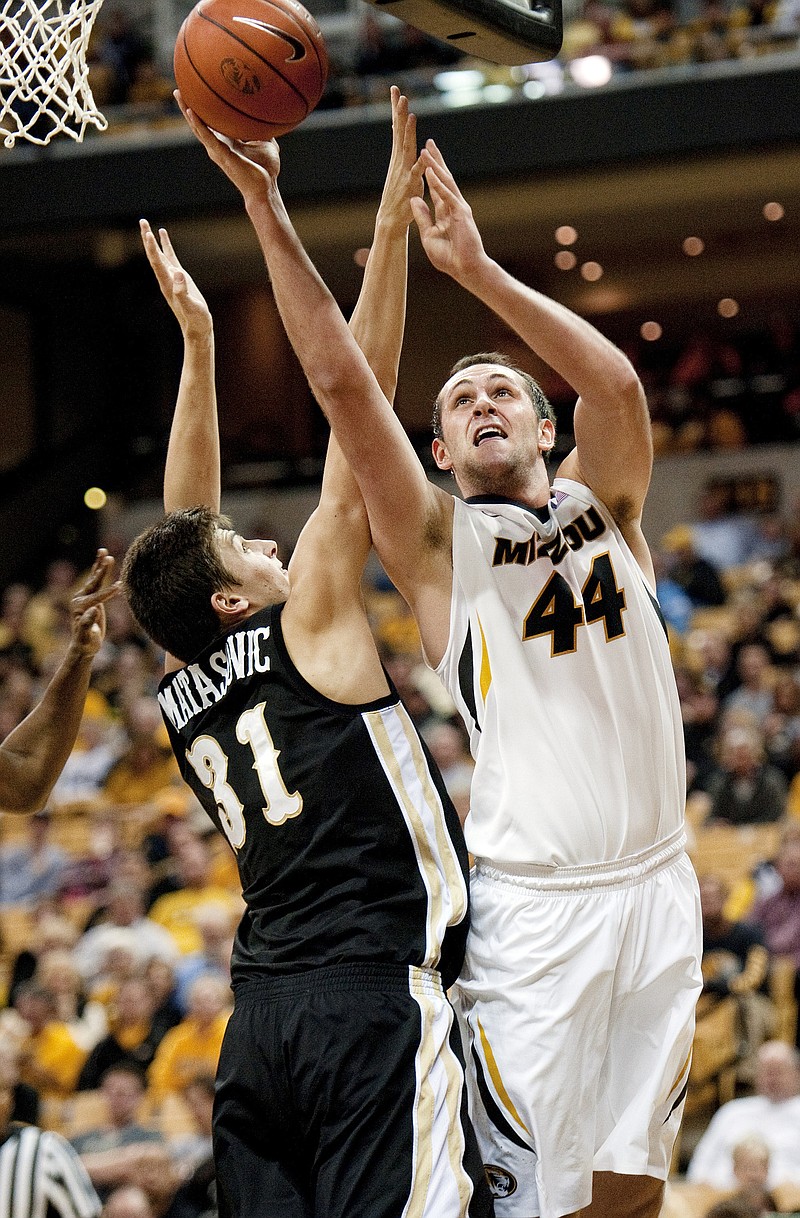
(543, 408)
(125, 1066)
(169, 575)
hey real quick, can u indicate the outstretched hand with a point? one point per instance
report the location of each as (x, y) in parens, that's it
(404, 175)
(87, 606)
(177, 287)
(450, 236)
(253, 168)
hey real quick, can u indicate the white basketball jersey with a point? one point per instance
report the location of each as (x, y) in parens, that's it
(559, 663)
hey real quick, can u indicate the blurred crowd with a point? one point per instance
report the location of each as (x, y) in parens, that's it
(119, 901)
(131, 75)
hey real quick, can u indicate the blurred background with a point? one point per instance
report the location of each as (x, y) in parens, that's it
(649, 177)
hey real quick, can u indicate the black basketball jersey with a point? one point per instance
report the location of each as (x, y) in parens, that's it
(348, 847)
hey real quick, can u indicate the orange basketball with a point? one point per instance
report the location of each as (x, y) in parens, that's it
(250, 69)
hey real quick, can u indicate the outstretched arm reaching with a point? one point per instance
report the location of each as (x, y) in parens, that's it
(414, 514)
(192, 472)
(613, 452)
(32, 756)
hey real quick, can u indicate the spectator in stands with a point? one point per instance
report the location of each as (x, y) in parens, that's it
(699, 710)
(772, 1114)
(745, 789)
(87, 876)
(160, 977)
(32, 869)
(735, 963)
(196, 1196)
(49, 932)
(175, 910)
(132, 1037)
(87, 767)
(192, 1047)
(85, 1019)
(698, 577)
(50, 1057)
(125, 908)
(216, 926)
(721, 536)
(778, 915)
(147, 765)
(123, 1088)
(710, 652)
(751, 1169)
(14, 644)
(753, 694)
(763, 881)
(119, 47)
(40, 1174)
(676, 606)
(44, 615)
(782, 725)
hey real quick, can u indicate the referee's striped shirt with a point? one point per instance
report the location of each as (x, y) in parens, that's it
(41, 1176)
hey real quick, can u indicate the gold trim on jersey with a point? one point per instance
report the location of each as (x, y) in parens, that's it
(495, 1076)
(400, 752)
(486, 667)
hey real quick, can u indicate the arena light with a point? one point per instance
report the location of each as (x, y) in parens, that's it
(95, 498)
(591, 71)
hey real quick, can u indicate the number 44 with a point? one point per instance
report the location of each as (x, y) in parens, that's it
(556, 612)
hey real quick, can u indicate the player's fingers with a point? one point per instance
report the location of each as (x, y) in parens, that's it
(82, 604)
(166, 245)
(441, 193)
(421, 214)
(410, 139)
(103, 562)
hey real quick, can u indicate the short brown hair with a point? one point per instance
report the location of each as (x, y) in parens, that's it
(543, 408)
(169, 575)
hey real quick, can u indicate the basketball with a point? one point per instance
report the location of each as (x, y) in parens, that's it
(250, 69)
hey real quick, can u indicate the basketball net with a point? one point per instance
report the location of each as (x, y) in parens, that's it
(44, 76)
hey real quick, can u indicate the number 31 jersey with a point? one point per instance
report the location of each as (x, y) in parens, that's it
(348, 848)
(559, 663)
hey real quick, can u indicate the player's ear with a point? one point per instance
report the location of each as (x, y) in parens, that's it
(547, 435)
(230, 606)
(440, 454)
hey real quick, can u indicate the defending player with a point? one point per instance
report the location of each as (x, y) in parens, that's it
(338, 1090)
(32, 756)
(536, 606)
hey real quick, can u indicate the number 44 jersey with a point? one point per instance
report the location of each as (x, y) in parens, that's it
(559, 663)
(348, 848)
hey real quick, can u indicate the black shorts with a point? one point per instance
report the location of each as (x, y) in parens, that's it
(340, 1095)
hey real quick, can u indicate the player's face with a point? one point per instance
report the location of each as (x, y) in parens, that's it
(491, 432)
(259, 573)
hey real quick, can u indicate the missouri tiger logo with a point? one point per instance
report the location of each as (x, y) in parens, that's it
(501, 1182)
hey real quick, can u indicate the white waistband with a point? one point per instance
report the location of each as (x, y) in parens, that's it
(631, 869)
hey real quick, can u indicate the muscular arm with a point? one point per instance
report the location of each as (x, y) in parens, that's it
(371, 438)
(192, 471)
(334, 570)
(613, 453)
(32, 756)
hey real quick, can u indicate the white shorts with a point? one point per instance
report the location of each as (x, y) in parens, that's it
(577, 1003)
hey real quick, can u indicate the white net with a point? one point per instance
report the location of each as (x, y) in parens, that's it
(44, 75)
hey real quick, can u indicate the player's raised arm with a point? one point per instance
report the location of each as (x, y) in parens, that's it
(329, 558)
(32, 756)
(192, 472)
(406, 512)
(612, 429)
